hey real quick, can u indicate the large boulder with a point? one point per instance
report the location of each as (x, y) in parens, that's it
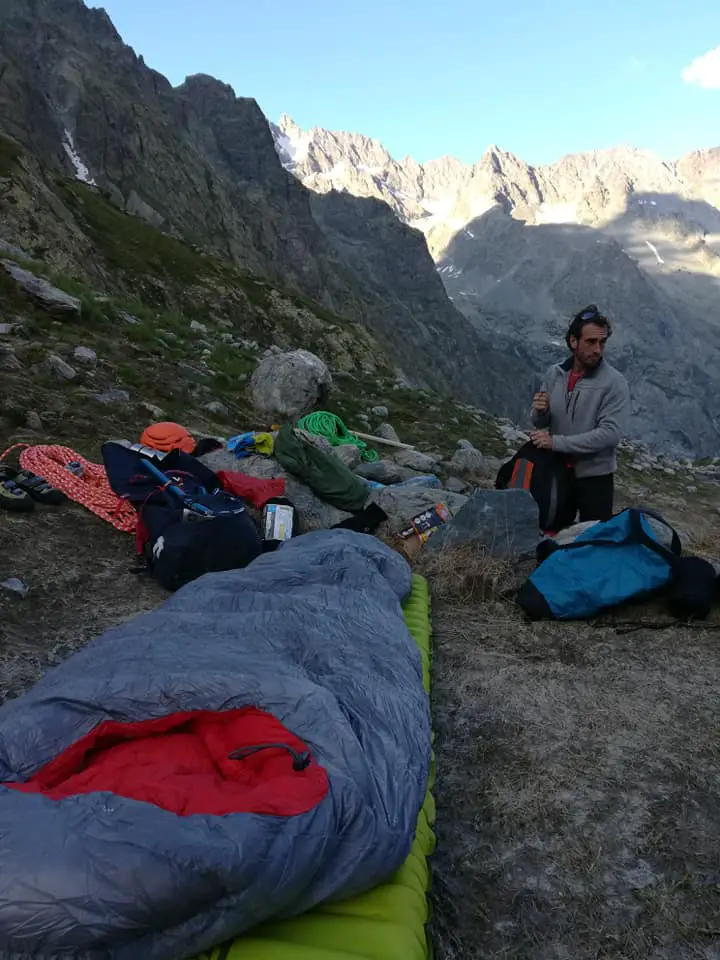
(43, 292)
(286, 386)
(505, 522)
(312, 512)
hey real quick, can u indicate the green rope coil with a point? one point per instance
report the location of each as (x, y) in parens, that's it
(330, 426)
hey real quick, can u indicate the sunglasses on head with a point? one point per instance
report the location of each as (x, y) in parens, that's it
(590, 313)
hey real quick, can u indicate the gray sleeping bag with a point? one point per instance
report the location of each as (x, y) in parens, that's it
(108, 763)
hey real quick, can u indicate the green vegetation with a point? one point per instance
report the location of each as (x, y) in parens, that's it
(422, 418)
(10, 153)
(164, 284)
(130, 245)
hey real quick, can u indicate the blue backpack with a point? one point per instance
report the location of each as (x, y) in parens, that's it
(608, 564)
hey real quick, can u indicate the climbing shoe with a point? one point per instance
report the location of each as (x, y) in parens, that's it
(38, 488)
(13, 497)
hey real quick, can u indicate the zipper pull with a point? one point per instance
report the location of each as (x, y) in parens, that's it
(301, 761)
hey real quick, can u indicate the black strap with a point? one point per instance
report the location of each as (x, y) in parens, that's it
(300, 760)
(636, 534)
(675, 546)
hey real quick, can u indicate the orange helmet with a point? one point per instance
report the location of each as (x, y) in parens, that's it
(167, 436)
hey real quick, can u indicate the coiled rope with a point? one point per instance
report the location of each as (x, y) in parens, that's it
(92, 490)
(330, 426)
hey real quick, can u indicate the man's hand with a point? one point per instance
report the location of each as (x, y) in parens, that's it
(541, 403)
(541, 439)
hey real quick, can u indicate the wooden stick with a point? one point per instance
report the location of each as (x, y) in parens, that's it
(388, 443)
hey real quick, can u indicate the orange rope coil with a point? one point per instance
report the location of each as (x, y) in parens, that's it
(92, 490)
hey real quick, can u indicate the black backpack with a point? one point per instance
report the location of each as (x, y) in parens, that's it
(693, 589)
(186, 527)
(545, 476)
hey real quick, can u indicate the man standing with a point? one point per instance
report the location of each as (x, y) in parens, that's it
(581, 412)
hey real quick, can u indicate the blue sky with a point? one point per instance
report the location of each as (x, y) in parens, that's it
(541, 78)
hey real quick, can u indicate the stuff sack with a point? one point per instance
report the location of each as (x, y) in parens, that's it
(325, 474)
(693, 589)
(544, 475)
(188, 526)
(606, 565)
(180, 545)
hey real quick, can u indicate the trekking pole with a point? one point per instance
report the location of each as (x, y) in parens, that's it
(175, 489)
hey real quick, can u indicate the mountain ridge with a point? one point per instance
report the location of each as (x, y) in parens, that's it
(639, 235)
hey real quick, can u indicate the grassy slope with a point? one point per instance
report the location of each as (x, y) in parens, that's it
(166, 284)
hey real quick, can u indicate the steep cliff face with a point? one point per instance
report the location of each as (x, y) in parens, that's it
(200, 163)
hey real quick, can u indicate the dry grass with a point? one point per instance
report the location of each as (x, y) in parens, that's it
(578, 785)
(467, 573)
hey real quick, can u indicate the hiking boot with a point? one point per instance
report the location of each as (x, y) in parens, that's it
(13, 497)
(38, 488)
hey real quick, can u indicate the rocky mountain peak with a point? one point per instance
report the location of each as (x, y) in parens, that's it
(519, 248)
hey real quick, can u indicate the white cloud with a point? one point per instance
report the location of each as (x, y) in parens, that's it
(704, 71)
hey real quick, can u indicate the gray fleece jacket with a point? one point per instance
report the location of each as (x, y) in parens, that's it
(588, 424)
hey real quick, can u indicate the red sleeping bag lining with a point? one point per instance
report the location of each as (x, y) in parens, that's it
(181, 763)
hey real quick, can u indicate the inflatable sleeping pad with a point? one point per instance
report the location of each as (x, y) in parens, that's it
(388, 922)
(257, 746)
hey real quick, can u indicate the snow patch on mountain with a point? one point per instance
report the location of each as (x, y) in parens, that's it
(82, 171)
(557, 213)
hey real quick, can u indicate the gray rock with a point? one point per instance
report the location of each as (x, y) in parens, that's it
(401, 504)
(33, 421)
(422, 462)
(387, 432)
(43, 292)
(349, 454)
(10, 250)
(506, 522)
(198, 327)
(467, 459)
(456, 485)
(56, 366)
(313, 513)
(217, 408)
(493, 465)
(6, 328)
(127, 318)
(8, 358)
(286, 386)
(85, 355)
(156, 412)
(380, 412)
(384, 471)
(113, 396)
